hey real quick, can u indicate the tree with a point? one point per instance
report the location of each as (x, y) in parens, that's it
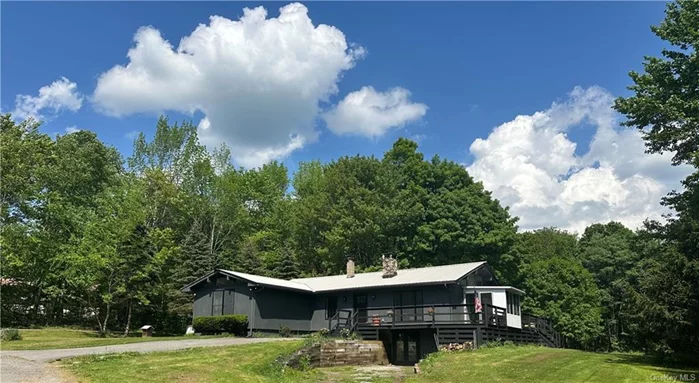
(248, 259)
(51, 190)
(541, 245)
(196, 258)
(310, 216)
(665, 104)
(562, 290)
(665, 108)
(606, 250)
(138, 269)
(286, 267)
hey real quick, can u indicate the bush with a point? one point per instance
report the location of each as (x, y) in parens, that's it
(348, 334)
(8, 334)
(284, 332)
(232, 324)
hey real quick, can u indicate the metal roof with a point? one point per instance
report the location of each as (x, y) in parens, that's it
(418, 276)
(507, 288)
(267, 281)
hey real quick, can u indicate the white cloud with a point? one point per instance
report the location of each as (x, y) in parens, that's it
(131, 135)
(72, 129)
(530, 165)
(257, 80)
(61, 95)
(367, 112)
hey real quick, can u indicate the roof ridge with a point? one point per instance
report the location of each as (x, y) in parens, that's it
(373, 272)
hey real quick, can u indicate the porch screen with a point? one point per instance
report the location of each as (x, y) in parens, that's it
(405, 303)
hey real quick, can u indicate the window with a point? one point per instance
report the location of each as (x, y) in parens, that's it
(410, 299)
(222, 302)
(330, 307)
(513, 304)
(217, 303)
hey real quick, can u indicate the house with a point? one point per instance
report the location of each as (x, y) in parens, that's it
(412, 311)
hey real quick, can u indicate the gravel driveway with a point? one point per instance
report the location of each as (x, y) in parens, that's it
(32, 367)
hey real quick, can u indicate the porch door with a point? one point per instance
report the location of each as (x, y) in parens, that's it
(487, 302)
(407, 300)
(406, 348)
(360, 306)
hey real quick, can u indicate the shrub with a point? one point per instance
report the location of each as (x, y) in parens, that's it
(284, 332)
(8, 334)
(348, 334)
(232, 324)
(316, 337)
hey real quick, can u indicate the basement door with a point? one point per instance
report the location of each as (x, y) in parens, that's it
(406, 347)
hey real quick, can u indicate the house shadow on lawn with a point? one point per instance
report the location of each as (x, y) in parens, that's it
(683, 366)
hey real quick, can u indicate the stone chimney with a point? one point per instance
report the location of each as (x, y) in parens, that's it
(350, 268)
(390, 266)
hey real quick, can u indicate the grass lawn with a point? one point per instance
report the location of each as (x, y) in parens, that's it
(244, 363)
(254, 363)
(541, 364)
(47, 338)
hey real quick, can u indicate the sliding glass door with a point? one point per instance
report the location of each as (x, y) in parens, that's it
(404, 302)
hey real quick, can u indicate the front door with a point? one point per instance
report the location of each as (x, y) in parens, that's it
(406, 347)
(360, 307)
(487, 302)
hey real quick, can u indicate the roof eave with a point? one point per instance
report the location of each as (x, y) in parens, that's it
(188, 288)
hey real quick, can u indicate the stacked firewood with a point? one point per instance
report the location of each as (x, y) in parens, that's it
(466, 346)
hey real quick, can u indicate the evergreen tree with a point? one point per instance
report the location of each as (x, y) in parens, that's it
(248, 259)
(286, 267)
(196, 257)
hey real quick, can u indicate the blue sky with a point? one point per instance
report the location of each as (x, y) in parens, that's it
(469, 68)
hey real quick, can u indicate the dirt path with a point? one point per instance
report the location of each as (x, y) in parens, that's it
(31, 366)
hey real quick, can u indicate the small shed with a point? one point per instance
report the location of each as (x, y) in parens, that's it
(147, 330)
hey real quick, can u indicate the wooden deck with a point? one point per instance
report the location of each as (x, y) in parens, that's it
(450, 323)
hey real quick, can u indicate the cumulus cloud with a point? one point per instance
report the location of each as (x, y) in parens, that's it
(530, 164)
(59, 96)
(367, 112)
(257, 80)
(72, 129)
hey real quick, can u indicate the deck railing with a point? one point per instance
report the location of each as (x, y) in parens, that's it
(444, 314)
(544, 327)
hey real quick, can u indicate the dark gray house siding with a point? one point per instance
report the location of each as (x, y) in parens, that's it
(275, 308)
(269, 308)
(236, 297)
(266, 308)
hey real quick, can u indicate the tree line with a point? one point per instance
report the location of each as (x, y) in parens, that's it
(89, 238)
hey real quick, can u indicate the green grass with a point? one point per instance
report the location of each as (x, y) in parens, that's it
(541, 364)
(48, 338)
(255, 363)
(244, 363)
